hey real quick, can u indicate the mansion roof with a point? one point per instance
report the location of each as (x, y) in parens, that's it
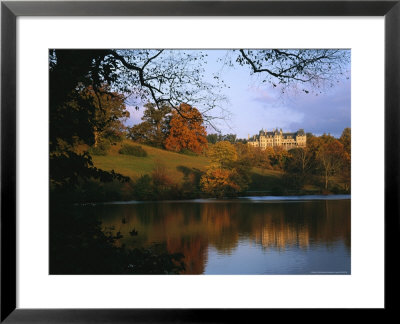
(277, 132)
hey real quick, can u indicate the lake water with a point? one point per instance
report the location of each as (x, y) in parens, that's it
(254, 235)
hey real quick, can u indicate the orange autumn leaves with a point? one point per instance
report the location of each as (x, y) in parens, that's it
(225, 173)
(186, 131)
(218, 182)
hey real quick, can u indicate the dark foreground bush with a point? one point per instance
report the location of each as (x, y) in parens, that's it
(93, 190)
(135, 150)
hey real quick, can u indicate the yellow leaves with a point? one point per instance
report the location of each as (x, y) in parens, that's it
(225, 175)
(222, 153)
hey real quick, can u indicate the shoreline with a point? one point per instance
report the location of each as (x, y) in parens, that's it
(243, 199)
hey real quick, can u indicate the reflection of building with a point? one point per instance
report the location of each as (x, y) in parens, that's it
(281, 236)
(276, 138)
(192, 228)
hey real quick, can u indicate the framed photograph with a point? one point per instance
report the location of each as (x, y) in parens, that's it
(176, 160)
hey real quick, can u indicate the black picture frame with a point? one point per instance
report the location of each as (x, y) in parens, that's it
(10, 10)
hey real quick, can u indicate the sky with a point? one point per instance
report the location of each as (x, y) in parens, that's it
(253, 106)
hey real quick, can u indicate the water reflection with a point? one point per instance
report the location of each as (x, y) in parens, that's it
(272, 237)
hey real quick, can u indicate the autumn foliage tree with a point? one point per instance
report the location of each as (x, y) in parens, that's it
(345, 139)
(299, 161)
(325, 160)
(226, 174)
(222, 154)
(218, 182)
(187, 131)
(332, 158)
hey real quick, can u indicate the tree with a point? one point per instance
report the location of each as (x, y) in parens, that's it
(308, 68)
(226, 174)
(231, 138)
(222, 154)
(110, 113)
(345, 139)
(299, 161)
(313, 145)
(187, 131)
(213, 138)
(73, 116)
(346, 172)
(297, 166)
(245, 153)
(218, 182)
(164, 77)
(87, 116)
(277, 156)
(155, 126)
(332, 157)
(324, 156)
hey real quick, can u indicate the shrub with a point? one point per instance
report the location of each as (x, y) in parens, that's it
(135, 150)
(143, 188)
(188, 152)
(101, 148)
(277, 191)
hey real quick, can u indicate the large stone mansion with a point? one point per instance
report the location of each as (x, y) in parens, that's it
(287, 141)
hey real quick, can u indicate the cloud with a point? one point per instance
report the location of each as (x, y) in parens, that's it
(328, 112)
(270, 111)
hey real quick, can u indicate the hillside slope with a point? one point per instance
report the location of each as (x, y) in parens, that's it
(175, 164)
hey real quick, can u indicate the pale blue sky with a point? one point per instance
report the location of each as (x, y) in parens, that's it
(253, 105)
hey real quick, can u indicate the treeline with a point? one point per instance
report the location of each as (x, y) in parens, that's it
(324, 163)
(175, 130)
(323, 160)
(179, 131)
(231, 138)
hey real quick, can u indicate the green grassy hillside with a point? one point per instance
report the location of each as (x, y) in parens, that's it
(176, 164)
(183, 169)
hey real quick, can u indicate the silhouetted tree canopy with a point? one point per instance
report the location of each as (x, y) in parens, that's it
(306, 69)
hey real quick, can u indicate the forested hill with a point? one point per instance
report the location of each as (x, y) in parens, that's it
(159, 174)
